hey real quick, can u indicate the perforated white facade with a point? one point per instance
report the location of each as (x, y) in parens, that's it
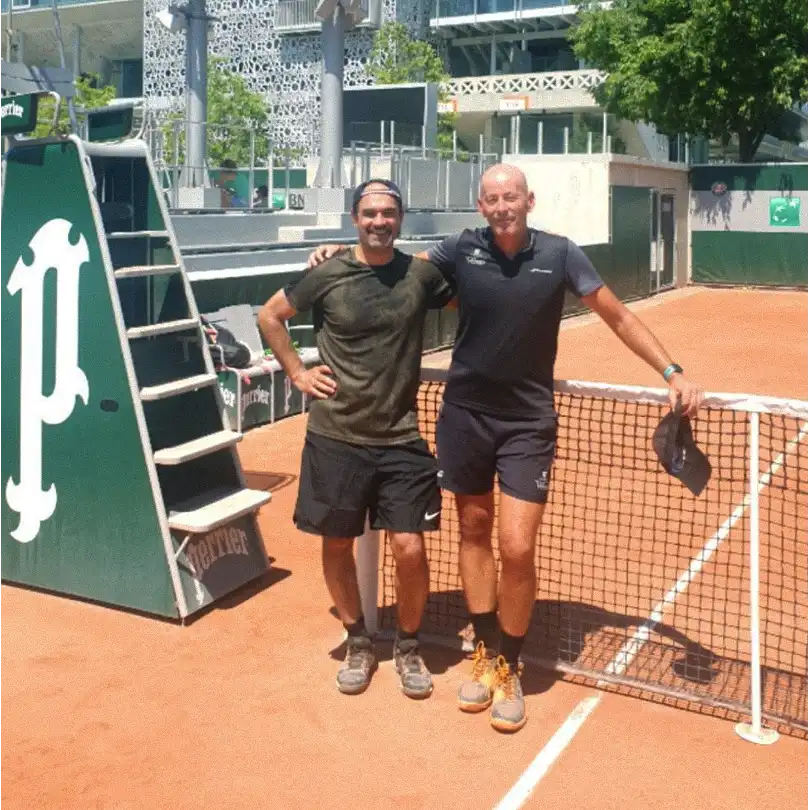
(285, 68)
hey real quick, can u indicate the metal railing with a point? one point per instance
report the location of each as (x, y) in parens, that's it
(299, 15)
(243, 183)
(296, 15)
(517, 8)
(44, 5)
(550, 81)
(429, 179)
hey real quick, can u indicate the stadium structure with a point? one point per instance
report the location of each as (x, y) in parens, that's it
(510, 61)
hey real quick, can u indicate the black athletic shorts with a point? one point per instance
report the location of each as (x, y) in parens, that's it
(472, 447)
(341, 483)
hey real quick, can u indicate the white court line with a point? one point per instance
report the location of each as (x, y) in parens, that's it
(625, 656)
(540, 766)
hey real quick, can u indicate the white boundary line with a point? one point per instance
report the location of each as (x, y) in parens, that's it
(520, 792)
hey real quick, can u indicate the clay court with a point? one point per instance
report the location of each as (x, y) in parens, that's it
(238, 708)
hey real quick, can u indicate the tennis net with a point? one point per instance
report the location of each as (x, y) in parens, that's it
(641, 584)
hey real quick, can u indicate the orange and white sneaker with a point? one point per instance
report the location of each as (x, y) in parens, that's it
(475, 693)
(508, 707)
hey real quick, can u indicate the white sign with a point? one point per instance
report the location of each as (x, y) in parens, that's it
(447, 106)
(514, 103)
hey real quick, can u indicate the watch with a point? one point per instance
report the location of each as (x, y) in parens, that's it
(672, 368)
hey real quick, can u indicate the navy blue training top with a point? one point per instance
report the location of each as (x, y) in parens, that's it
(509, 318)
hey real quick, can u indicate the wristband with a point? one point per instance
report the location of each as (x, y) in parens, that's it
(672, 368)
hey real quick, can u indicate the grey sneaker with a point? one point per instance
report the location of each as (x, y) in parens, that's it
(414, 677)
(354, 675)
(475, 693)
(508, 707)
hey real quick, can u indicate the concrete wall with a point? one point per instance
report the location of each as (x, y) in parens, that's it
(571, 193)
(238, 227)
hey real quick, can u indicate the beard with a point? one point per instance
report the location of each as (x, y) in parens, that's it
(380, 239)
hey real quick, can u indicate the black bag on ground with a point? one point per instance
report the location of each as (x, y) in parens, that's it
(226, 350)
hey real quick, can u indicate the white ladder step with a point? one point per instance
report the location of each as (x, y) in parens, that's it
(175, 387)
(165, 328)
(197, 447)
(137, 234)
(205, 515)
(147, 270)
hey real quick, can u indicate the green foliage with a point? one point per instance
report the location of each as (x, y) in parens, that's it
(715, 68)
(396, 58)
(86, 97)
(233, 109)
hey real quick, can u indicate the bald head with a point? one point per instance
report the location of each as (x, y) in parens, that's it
(505, 201)
(502, 174)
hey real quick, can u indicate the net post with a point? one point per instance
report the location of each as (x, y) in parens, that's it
(368, 564)
(753, 731)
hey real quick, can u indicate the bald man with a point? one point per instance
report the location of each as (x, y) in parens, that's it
(498, 415)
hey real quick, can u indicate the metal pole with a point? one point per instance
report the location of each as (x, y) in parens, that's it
(604, 131)
(565, 141)
(176, 159)
(353, 153)
(7, 142)
(540, 138)
(270, 178)
(196, 91)
(517, 134)
(329, 174)
(77, 50)
(590, 142)
(753, 731)
(382, 138)
(368, 563)
(424, 139)
(74, 124)
(10, 31)
(392, 137)
(286, 181)
(455, 145)
(251, 178)
(481, 144)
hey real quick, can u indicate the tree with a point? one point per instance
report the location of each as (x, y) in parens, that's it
(233, 111)
(397, 58)
(88, 95)
(717, 68)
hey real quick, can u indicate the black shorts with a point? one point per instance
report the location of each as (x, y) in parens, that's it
(341, 483)
(473, 446)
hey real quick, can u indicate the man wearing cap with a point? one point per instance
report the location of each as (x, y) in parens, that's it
(498, 414)
(363, 454)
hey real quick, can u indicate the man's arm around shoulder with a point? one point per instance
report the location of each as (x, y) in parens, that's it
(442, 256)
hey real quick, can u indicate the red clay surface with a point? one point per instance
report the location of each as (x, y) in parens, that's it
(238, 709)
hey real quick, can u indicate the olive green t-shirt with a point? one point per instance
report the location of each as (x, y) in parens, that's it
(368, 329)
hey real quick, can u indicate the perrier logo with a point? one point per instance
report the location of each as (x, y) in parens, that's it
(19, 113)
(13, 109)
